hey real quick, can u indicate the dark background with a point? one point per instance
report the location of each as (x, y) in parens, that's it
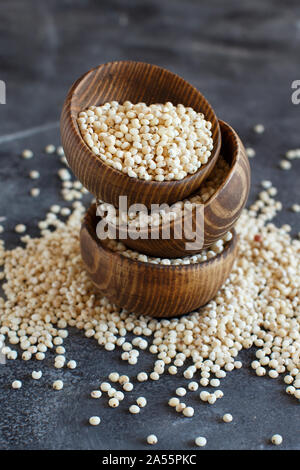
(243, 56)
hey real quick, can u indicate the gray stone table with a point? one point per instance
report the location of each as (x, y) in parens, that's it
(243, 56)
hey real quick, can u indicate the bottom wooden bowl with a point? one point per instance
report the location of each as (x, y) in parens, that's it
(152, 289)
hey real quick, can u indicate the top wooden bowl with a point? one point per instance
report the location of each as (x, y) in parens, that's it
(219, 215)
(136, 82)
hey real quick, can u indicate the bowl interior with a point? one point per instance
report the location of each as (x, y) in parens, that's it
(137, 82)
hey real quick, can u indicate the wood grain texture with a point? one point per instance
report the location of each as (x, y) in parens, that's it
(149, 289)
(220, 212)
(134, 81)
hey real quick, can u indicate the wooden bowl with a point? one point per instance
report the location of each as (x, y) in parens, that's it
(220, 212)
(151, 289)
(134, 81)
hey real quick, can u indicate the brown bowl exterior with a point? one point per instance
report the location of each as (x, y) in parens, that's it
(220, 212)
(134, 81)
(149, 289)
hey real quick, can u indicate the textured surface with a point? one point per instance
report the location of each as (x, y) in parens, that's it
(135, 82)
(243, 56)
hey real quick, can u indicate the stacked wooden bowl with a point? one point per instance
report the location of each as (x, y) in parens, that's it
(143, 287)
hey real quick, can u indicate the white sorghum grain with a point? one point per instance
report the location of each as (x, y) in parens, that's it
(72, 364)
(50, 148)
(34, 174)
(154, 376)
(227, 418)
(123, 379)
(193, 386)
(295, 207)
(96, 394)
(142, 377)
(64, 174)
(188, 411)
(40, 356)
(113, 402)
(128, 387)
(180, 407)
(59, 364)
(27, 154)
(293, 153)
(266, 184)
(157, 142)
(200, 441)
(204, 395)
(16, 384)
(114, 377)
(36, 375)
(65, 211)
(212, 399)
(273, 374)
(60, 151)
(152, 439)
(173, 402)
(288, 379)
(290, 390)
(297, 394)
(132, 361)
(20, 228)
(94, 420)
(105, 386)
(204, 382)
(134, 409)
(55, 208)
(180, 391)
(58, 385)
(285, 165)
(35, 192)
(250, 152)
(276, 439)
(119, 395)
(141, 402)
(259, 128)
(215, 382)
(111, 392)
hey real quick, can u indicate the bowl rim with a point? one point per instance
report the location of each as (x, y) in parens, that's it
(229, 249)
(71, 120)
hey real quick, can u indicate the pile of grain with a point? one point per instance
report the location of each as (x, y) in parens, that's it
(47, 290)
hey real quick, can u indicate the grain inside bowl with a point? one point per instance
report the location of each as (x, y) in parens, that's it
(200, 257)
(157, 142)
